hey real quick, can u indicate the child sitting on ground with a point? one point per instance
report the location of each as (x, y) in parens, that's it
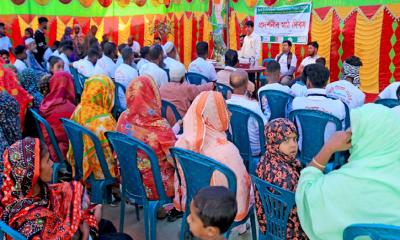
(212, 212)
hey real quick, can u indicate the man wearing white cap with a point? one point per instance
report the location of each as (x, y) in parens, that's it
(31, 60)
(179, 92)
(134, 45)
(170, 60)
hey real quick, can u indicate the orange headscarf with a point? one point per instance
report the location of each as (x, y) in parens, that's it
(204, 127)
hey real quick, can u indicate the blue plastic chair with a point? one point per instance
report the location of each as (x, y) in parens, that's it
(7, 230)
(277, 204)
(77, 84)
(75, 133)
(277, 101)
(196, 78)
(165, 105)
(390, 103)
(167, 71)
(126, 149)
(263, 78)
(117, 109)
(39, 120)
(240, 135)
(374, 231)
(313, 124)
(198, 170)
(225, 90)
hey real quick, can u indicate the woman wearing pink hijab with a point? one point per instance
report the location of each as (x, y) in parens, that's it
(204, 127)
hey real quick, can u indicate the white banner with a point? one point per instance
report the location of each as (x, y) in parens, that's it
(276, 24)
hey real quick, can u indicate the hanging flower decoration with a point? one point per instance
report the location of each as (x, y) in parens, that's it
(65, 1)
(140, 3)
(18, 2)
(42, 2)
(86, 3)
(105, 3)
(123, 3)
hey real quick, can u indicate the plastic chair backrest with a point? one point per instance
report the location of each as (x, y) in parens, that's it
(82, 80)
(313, 124)
(75, 133)
(126, 148)
(117, 110)
(373, 231)
(167, 71)
(77, 83)
(39, 120)
(195, 78)
(165, 105)
(390, 103)
(240, 133)
(277, 101)
(198, 170)
(225, 90)
(277, 204)
(5, 229)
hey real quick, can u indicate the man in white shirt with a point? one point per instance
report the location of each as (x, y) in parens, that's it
(200, 65)
(312, 53)
(288, 62)
(68, 50)
(251, 44)
(125, 73)
(171, 60)
(86, 66)
(50, 50)
(144, 54)
(134, 45)
(5, 43)
(153, 68)
(345, 89)
(390, 91)
(273, 76)
(20, 54)
(106, 65)
(239, 80)
(317, 78)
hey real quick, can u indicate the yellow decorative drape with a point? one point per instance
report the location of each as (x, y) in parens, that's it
(367, 47)
(232, 32)
(100, 28)
(187, 23)
(61, 27)
(124, 29)
(148, 31)
(321, 32)
(22, 24)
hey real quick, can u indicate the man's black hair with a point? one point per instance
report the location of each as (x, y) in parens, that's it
(249, 23)
(231, 58)
(317, 74)
(273, 66)
(314, 44)
(42, 20)
(202, 48)
(288, 42)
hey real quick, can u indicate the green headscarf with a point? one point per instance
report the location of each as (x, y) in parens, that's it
(366, 189)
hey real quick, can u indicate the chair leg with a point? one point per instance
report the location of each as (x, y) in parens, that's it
(184, 226)
(137, 211)
(146, 221)
(122, 214)
(153, 207)
(253, 225)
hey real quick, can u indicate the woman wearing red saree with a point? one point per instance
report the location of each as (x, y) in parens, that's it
(142, 120)
(9, 83)
(34, 208)
(58, 103)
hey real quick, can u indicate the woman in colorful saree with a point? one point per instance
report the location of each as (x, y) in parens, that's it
(94, 113)
(364, 190)
(204, 127)
(33, 207)
(142, 120)
(58, 103)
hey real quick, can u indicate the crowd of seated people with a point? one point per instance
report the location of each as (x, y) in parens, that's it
(41, 79)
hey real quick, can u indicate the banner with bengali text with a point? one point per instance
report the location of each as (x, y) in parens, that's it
(276, 24)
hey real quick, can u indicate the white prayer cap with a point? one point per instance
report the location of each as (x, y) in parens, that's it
(168, 47)
(177, 72)
(29, 41)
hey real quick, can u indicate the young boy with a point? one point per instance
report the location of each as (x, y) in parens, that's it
(212, 212)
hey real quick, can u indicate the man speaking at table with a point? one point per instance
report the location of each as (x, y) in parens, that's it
(251, 48)
(251, 45)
